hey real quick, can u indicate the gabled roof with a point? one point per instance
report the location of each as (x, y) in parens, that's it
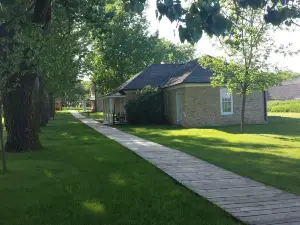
(154, 75)
(180, 74)
(168, 75)
(191, 72)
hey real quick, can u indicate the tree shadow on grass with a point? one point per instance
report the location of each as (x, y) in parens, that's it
(101, 183)
(277, 125)
(253, 160)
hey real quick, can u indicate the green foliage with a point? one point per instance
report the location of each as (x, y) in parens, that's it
(169, 52)
(284, 106)
(123, 47)
(148, 108)
(211, 16)
(246, 67)
(248, 49)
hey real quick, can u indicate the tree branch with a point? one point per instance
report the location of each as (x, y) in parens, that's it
(295, 23)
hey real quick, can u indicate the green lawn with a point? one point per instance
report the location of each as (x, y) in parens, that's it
(83, 178)
(266, 153)
(284, 106)
(94, 115)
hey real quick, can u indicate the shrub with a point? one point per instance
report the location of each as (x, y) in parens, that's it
(148, 108)
(284, 106)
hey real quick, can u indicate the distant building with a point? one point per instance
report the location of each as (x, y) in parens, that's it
(94, 99)
(58, 104)
(189, 98)
(286, 91)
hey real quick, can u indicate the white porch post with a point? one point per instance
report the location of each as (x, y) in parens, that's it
(111, 110)
(104, 116)
(84, 105)
(105, 107)
(124, 103)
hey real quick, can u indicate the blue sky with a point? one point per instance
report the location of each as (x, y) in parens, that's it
(205, 45)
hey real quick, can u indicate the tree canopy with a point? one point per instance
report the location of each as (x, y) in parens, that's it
(51, 39)
(246, 67)
(124, 46)
(210, 16)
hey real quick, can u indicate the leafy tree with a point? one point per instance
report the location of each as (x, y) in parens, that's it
(76, 93)
(246, 67)
(28, 41)
(123, 49)
(169, 52)
(126, 48)
(30, 28)
(210, 16)
(285, 75)
(2, 138)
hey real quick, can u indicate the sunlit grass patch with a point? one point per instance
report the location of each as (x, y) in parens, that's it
(267, 153)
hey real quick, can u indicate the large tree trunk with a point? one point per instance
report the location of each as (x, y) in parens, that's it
(22, 132)
(36, 104)
(43, 103)
(2, 140)
(51, 105)
(45, 115)
(243, 111)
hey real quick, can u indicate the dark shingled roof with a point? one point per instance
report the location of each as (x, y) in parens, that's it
(180, 74)
(154, 75)
(168, 75)
(190, 72)
(288, 90)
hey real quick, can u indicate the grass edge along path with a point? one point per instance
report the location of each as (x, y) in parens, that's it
(269, 153)
(81, 177)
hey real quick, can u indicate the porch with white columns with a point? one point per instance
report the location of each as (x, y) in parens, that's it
(113, 105)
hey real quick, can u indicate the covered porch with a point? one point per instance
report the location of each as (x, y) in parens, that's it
(114, 109)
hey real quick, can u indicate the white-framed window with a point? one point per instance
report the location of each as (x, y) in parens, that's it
(166, 95)
(226, 102)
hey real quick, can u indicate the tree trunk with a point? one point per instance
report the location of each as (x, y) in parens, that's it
(43, 103)
(243, 111)
(36, 104)
(51, 105)
(2, 140)
(22, 133)
(45, 114)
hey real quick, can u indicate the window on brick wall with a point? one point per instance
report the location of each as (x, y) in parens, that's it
(226, 102)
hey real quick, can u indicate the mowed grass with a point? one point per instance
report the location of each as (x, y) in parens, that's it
(94, 115)
(284, 106)
(83, 178)
(266, 153)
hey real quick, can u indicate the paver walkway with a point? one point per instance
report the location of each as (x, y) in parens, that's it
(245, 199)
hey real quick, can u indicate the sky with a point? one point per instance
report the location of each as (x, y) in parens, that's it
(205, 45)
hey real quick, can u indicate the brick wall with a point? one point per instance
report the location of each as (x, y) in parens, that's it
(202, 108)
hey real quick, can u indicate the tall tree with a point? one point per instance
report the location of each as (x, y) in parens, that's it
(169, 52)
(27, 28)
(4, 168)
(210, 16)
(246, 67)
(27, 39)
(125, 48)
